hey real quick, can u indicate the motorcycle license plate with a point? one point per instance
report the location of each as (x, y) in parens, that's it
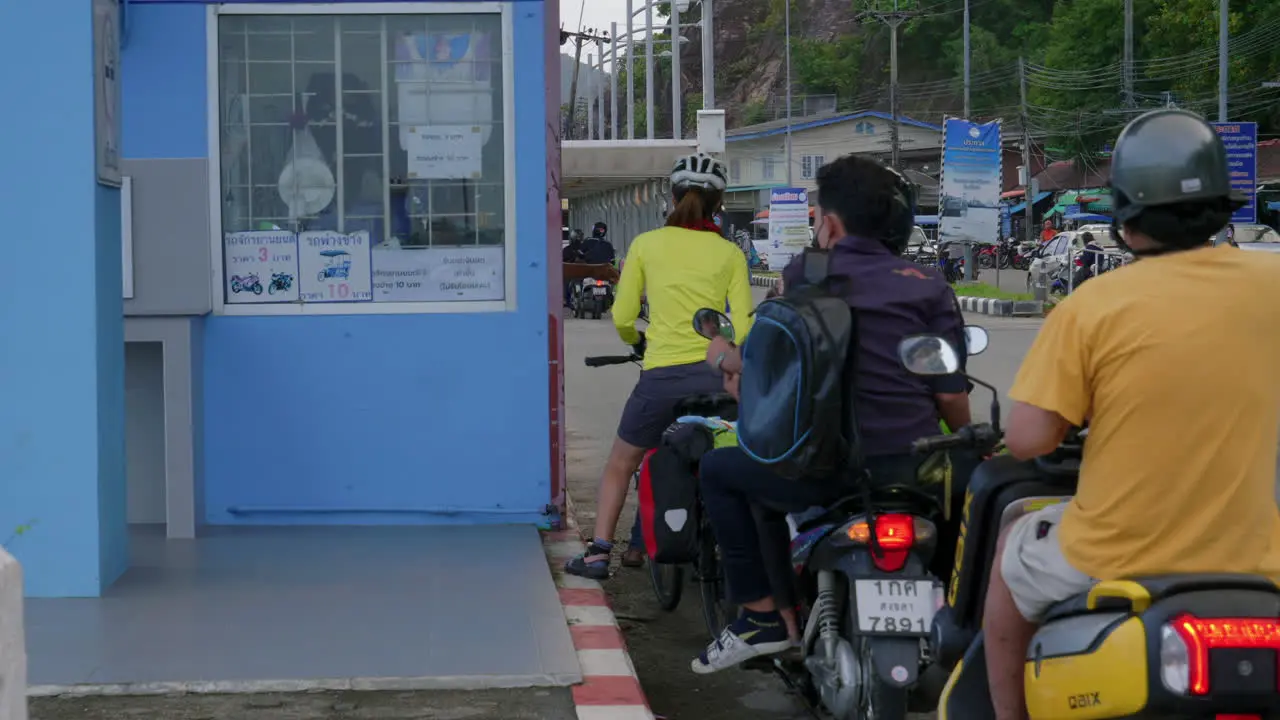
(599, 290)
(896, 607)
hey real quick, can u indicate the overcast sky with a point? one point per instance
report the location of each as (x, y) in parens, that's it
(597, 13)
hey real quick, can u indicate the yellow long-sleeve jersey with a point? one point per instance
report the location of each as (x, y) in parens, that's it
(680, 272)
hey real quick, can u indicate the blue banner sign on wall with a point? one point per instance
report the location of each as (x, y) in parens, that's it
(969, 198)
(1241, 140)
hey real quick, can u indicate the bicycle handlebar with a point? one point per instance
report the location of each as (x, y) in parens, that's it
(980, 436)
(602, 360)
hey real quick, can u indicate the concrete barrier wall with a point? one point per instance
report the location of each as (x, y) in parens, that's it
(13, 649)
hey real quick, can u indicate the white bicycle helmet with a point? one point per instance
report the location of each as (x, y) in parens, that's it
(699, 170)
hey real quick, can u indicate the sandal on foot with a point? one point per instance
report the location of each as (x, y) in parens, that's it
(593, 564)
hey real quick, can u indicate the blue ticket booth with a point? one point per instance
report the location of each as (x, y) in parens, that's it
(273, 264)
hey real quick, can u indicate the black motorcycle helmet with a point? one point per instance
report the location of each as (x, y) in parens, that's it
(903, 220)
(1170, 181)
(599, 230)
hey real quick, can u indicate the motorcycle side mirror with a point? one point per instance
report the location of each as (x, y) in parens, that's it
(928, 355)
(711, 324)
(976, 339)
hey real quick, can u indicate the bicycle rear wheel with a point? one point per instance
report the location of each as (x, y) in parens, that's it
(717, 611)
(668, 584)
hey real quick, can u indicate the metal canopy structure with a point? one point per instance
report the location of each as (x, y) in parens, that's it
(594, 167)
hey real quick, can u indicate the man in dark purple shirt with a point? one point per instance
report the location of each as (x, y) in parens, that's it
(893, 298)
(864, 217)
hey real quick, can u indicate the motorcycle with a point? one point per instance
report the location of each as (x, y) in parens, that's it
(867, 596)
(953, 269)
(280, 281)
(1188, 645)
(592, 296)
(990, 256)
(246, 283)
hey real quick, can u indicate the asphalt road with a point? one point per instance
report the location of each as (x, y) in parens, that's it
(663, 644)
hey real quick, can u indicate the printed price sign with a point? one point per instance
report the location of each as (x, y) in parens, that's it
(334, 267)
(260, 267)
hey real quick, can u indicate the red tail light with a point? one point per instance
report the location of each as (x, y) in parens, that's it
(895, 536)
(1200, 635)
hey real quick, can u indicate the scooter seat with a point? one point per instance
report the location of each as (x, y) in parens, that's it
(1074, 605)
(1159, 587)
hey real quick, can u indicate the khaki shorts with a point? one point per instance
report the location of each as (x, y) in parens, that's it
(1037, 573)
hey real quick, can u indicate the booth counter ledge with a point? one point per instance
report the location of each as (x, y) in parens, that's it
(610, 689)
(13, 649)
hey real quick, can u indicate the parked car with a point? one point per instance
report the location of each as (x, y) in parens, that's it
(1060, 253)
(1258, 238)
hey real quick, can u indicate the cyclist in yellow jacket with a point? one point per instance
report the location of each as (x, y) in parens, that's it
(682, 267)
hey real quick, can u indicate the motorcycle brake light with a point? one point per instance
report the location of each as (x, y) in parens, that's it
(1187, 640)
(895, 536)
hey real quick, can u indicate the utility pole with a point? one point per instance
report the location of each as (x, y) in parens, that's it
(591, 101)
(967, 51)
(787, 29)
(648, 69)
(1028, 225)
(1223, 36)
(579, 39)
(676, 110)
(894, 20)
(614, 125)
(599, 99)
(1127, 64)
(631, 71)
(708, 57)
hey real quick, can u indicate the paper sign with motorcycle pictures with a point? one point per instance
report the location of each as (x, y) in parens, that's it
(261, 267)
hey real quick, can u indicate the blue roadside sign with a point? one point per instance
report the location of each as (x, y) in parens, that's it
(1241, 140)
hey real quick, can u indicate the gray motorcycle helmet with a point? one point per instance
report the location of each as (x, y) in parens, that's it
(1169, 157)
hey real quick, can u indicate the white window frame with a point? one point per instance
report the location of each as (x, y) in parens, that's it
(213, 62)
(768, 167)
(126, 233)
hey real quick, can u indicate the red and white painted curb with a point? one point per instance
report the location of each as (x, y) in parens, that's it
(610, 689)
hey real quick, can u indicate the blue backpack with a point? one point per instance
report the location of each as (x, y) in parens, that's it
(795, 409)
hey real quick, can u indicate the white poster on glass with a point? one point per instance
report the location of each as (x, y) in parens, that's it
(444, 79)
(334, 267)
(261, 266)
(444, 152)
(439, 274)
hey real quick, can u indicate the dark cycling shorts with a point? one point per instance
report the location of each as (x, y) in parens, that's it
(652, 406)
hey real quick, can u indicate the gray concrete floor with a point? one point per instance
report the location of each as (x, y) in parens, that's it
(263, 609)
(525, 704)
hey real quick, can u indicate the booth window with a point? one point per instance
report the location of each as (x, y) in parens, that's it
(363, 158)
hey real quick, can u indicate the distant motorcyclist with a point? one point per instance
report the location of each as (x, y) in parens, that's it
(1092, 260)
(1172, 363)
(864, 217)
(571, 253)
(597, 250)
